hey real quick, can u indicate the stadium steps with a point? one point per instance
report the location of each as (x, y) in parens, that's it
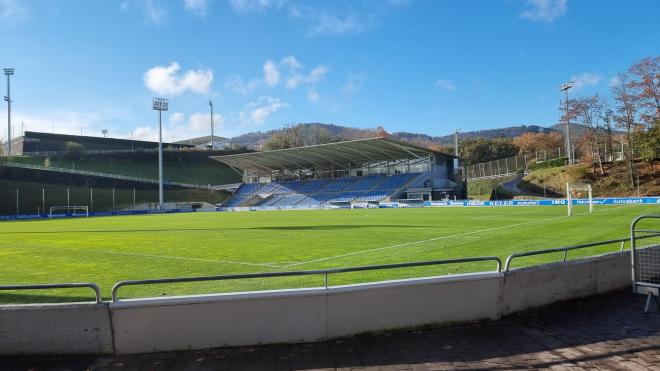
(409, 183)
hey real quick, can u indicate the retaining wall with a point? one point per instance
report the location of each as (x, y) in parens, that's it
(55, 329)
(286, 316)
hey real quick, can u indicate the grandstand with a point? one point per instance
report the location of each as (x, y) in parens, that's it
(344, 174)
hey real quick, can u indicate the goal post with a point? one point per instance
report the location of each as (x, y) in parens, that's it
(579, 190)
(68, 211)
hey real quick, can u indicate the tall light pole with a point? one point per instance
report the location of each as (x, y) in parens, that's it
(567, 131)
(160, 105)
(8, 72)
(456, 142)
(212, 137)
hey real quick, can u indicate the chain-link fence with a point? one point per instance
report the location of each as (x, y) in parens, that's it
(511, 165)
(496, 168)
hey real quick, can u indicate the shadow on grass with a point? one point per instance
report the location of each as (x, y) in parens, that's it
(272, 228)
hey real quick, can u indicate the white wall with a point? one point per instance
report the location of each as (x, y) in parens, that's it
(540, 285)
(288, 316)
(55, 329)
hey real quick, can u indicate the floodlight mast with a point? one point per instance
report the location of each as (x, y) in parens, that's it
(565, 87)
(212, 137)
(8, 72)
(160, 105)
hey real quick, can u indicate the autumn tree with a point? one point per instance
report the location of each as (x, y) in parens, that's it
(300, 136)
(625, 117)
(532, 142)
(644, 83)
(589, 112)
(483, 150)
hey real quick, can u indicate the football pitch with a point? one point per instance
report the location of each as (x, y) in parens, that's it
(105, 250)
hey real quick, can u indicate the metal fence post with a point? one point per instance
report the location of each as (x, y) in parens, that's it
(113, 199)
(17, 202)
(133, 196)
(68, 197)
(43, 200)
(91, 198)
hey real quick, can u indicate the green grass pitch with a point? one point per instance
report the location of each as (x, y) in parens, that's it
(105, 250)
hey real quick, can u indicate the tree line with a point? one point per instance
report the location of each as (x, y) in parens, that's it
(633, 109)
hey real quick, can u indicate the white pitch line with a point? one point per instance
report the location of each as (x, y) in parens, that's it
(405, 244)
(499, 215)
(185, 258)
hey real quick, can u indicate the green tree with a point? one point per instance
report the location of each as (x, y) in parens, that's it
(73, 151)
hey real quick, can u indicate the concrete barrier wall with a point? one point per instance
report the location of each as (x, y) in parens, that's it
(540, 285)
(288, 316)
(218, 320)
(55, 329)
(403, 304)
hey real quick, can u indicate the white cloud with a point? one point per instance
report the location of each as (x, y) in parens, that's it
(291, 63)
(297, 79)
(200, 123)
(354, 82)
(153, 11)
(240, 86)
(614, 81)
(544, 10)
(197, 125)
(13, 12)
(584, 80)
(61, 121)
(246, 6)
(271, 73)
(326, 23)
(167, 81)
(445, 84)
(198, 7)
(313, 96)
(256, 113)
(322, 18)
(176, 118)
(288, 69)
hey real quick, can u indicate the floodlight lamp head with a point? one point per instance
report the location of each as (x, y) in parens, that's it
(159, 104)
(567, 85)
(9, 71)
(211, 104)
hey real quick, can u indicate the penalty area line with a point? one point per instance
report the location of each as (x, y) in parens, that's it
(411, 243)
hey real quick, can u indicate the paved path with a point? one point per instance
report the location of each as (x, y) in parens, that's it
(604, 333)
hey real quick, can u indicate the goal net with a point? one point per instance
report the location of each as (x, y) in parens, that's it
(579, 194)
(56, 211)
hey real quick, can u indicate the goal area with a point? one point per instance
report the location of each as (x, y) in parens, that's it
(579, 194)
(56, 211)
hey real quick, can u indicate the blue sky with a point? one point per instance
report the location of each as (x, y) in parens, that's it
(407, 65)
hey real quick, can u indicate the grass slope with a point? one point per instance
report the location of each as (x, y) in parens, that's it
(203, 172)
(614, 183)
(108, 249)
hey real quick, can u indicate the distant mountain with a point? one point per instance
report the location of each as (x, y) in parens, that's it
(448, 140)
(255, 140)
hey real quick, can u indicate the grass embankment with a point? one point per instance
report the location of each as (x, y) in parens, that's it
(203, 172)
(30, 197)
(615, 182)
(105, 250)
(482, 189)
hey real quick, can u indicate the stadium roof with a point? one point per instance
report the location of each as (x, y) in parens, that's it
(202, 140)
(353, 153)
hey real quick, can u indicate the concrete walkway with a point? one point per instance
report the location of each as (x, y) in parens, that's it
(603, 333)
